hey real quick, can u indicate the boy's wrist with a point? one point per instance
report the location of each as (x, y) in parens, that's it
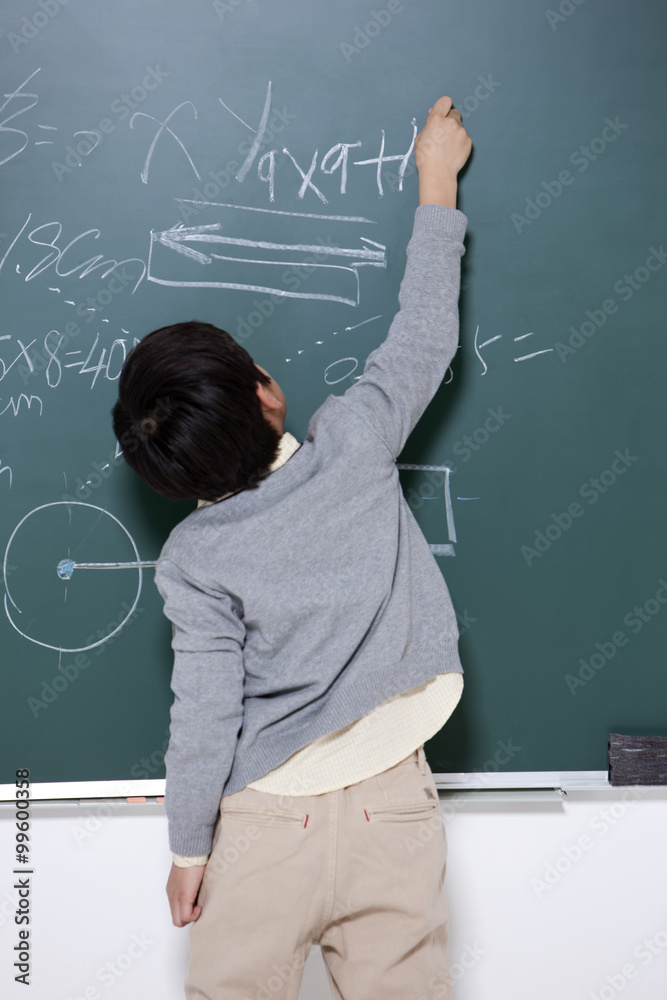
(438, 192)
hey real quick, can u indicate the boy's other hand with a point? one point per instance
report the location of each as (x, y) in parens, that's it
(441, 149)
(182, 888)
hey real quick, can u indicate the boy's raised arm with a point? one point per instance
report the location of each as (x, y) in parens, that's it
(402, 375)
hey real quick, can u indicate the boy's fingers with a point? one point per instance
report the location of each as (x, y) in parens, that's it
(184, 913)
(442, 106)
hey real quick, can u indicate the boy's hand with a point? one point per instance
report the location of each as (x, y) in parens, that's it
(441, 149)
(182, 888)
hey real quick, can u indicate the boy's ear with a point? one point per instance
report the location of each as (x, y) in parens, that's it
(267, 400)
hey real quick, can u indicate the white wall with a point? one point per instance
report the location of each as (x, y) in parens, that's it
(527, 921)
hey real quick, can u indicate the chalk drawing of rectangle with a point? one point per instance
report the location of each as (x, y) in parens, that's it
(444, 548)
(214, 254)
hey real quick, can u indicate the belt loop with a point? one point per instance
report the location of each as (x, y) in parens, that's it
(421, 757)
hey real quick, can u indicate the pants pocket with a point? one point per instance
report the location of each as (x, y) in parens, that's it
(402, 793)
(251, 806)
(263, 817)
(403, 811)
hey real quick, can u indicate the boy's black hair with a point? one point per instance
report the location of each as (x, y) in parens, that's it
(188, 417)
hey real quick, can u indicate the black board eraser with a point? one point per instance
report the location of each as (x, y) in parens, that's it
(637, 760)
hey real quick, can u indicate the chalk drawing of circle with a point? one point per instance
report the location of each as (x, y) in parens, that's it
(77, 614)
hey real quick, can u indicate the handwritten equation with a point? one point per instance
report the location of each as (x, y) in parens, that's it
(334, 162)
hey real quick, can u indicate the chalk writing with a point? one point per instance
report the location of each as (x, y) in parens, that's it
(11, 100)
(164, 127)
(23, 353)
(15, 404)
(7, 469)
(499, 336)
(48, 235)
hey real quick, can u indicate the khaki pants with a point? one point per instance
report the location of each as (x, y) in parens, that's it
(359, 871)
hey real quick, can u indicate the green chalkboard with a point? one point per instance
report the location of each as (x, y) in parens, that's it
(248, 163)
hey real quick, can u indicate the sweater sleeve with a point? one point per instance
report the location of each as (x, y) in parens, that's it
(402, 375)
(207, 712)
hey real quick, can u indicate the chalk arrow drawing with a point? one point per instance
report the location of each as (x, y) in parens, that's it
(209, 255)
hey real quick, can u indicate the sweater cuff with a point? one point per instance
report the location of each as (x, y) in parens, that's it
(182, 862)
(190, 843)
(441, 220)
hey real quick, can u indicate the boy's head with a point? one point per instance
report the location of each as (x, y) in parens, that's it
(195, 417)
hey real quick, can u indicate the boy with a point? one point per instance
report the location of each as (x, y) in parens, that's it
(315, 642)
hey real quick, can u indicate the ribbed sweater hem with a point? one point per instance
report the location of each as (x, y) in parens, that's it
(348, 705)
(344, 707)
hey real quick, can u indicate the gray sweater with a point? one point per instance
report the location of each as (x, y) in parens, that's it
(299, 606)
